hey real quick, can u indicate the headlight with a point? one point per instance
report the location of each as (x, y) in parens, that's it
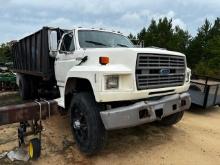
(188, 74)
(112, 82)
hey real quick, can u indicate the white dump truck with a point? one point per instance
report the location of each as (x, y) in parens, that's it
(103, 80)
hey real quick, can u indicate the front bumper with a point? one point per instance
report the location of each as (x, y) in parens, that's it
(145, 111)
(120, 95)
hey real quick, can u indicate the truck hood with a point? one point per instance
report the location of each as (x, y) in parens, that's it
(122, 56)
(155, 51)
(135, 50)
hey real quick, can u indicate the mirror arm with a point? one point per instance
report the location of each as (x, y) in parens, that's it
(53, 53)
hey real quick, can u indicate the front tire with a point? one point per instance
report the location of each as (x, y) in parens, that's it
(172, 119)
(86, 123)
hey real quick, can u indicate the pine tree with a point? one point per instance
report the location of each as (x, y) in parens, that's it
(204, 49)
(5, 53)
(162, 34)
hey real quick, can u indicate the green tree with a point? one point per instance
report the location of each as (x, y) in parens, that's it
(163, 34)
(132, 38)
(180, 40)
(141, 35)
(159, 34)
(204, 49)
(198, 46)
(5, 53)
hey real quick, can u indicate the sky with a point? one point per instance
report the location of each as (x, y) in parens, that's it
(19, 18)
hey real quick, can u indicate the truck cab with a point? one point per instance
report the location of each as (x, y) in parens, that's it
(134, 73)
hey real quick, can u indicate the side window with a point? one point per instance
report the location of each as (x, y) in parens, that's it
(68, 43)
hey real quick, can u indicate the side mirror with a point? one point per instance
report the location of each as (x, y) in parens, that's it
(52, 36)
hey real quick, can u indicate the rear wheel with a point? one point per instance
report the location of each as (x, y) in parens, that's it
(172, 119)
(27, 87)
(86, 123)
(24, 87)
(34, 87)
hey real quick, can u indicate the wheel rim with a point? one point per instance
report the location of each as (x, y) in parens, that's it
(79, 125)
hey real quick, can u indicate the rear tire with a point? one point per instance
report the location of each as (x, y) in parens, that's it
(28, 89)
(172, 119)
(24, 87)
(86, 123)
(34, 87)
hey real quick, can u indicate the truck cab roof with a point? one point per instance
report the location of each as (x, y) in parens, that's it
(98, 29)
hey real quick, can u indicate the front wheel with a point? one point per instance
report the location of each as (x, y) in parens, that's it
(172, 119)
(86, 123)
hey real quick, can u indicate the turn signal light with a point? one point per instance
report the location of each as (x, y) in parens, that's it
(103, 60)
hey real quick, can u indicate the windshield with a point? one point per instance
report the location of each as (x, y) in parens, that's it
(100, 39)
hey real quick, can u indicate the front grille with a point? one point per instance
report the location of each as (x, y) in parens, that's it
(159, 71)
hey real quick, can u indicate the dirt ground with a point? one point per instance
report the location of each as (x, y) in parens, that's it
(194, 141)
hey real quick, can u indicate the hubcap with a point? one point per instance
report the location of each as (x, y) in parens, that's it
(79, 125)
(76, 124)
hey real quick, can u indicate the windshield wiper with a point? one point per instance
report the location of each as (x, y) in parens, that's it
(122, 45)
(96, 43)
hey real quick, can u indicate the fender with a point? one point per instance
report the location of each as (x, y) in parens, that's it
(94, 74)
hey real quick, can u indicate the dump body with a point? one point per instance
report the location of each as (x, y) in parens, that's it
(32, 54)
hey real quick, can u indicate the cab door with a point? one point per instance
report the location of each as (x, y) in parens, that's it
(66, 58)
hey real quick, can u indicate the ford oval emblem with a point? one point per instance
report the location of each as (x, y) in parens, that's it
(165, 71)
